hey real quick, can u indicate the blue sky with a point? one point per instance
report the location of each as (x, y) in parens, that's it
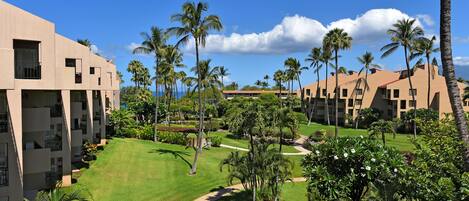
(257, 36)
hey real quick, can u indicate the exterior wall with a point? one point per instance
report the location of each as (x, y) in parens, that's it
(230, 94)
(29, 120)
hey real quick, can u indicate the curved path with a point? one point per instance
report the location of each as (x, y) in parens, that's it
(216, 195)
(298, 146)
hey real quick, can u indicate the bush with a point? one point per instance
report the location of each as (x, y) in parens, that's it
(211, 125)
(173, 138)
(318, 136)
(368, 116)
(422, 114)
(89, 151)
(301, 117)
(215, 140)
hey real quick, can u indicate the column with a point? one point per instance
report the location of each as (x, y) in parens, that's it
(16, 131)
(89, 119)
(66, 140)
(103, 116)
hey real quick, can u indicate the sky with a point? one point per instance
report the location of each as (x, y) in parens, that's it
(257, 35)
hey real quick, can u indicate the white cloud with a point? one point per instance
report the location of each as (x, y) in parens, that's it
(95, 49)
(427, 19)
(462, 39)
(132, 46)
(461, 61)
(298, 33)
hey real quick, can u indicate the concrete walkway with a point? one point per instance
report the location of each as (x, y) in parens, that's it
(216, 195)
(298, 146)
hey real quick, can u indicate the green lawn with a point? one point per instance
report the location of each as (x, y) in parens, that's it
(130, 169)
(244, 143)
(402, 141)
(290, 192)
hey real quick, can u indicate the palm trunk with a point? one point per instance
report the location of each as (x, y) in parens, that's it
(337, 93)
(414, 127)
(254, 182)
(429, 80)
(326, 99)
(201, 115)
(302, 95)
(318, 91)
(168, 119)
(450, 77)
(363, 98)
(155, 134)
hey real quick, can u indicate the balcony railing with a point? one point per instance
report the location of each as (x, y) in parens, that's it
(32, 71)
(56, 110)
(3, 122)
(53, 141)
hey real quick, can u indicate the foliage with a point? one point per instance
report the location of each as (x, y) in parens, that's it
(301, 117)
(368, 116)
(260, 170)
(89, 151)
(381, 127)
(343, 168)
(59, 194)
(422, 114)
(173, 138)
(121, 120)
(215, 140)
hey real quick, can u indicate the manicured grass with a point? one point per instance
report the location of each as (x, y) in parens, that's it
(244, 143)
(130, 169)
(290, 192)
(401, 142)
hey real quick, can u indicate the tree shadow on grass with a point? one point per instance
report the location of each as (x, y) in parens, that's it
(235, 196)
(176, 154)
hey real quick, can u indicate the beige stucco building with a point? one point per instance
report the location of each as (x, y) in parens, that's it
(54, 95)
(230, 94)
(387, 91)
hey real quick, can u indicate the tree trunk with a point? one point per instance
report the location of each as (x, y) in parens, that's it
(201, 115)
(337, 94)
(302, 96)
(450, 77)
(326, 99)
(318, 91)
(414, 127)
(363, 98)
(429, 71)
(155, 134)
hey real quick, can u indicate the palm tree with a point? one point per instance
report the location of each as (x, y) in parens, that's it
(85, 42)
(294, 68)
(171, 58)
(145, 79)
(381, 127)
(315, 59)
(367, 61)
(195, 24)
(258, 83)
(279, 77)
(223, 72)
(266, 81)
(404, 33)
(325, 58)
(135, 68)
(425, 47)
(448, 72)
(152, 43)
(337, 39)
(59, 194)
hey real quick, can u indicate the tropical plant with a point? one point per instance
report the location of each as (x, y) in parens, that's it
(404, 33)
(381, 127)
(120, 120)
(425, 47)
(367, 61)
(337, 39)
(59, 194)
(85, 42)
(279, 78)
(315, 59)
(367, 116)
(326, 57)
(223, 72)
(152, 43)
(266, 81)
(195, 24)
(294, 68)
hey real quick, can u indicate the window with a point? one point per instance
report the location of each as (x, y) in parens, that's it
(396, 93)
(414, 92)
(344, 92)
(27, 65)
(308, 92)
(76, 124)
(403, 104)
(359, 91)
(3, 164)
(99, 81)
(358, 102)
(91, 70)
(324, 92)
(70, 62)
(388, 93)
(350, 112)
(350, 102)
(412, 103)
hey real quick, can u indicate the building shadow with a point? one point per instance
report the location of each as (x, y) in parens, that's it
(176, 154)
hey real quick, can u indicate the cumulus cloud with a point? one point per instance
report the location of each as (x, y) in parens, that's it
(298, 33)
(95, 49)
(427, 19)
(461, 61)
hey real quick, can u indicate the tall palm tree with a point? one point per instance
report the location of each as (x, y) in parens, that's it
(85, 42)
(152, 43)
(326, 57)
(425, 47)
(266, 81)
(337, 39)
(279, 77)
(145, 79)
(209, 79)
(367, 61)
(404, 33)
(135, 67)
(195, 24)
(315, 63)
(258, 83)
(294, 68)
(448, 72)
(223, 72)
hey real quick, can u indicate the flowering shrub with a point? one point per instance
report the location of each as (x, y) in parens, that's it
(344, 168)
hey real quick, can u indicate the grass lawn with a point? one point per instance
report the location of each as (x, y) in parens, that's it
(244, 143)
(401, 142)
(130, 169)
(290, 192)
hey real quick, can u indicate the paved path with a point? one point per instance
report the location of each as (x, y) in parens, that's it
(216, 195)
(298, 146)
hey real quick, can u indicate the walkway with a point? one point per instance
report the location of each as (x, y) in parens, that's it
(298, 146)
(216, 195)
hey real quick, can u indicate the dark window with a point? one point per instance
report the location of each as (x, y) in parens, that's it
(3, 164)
(324, 92)
(414, 92)
(350, 102)
(70, 62)
(344, 92)
(308, 92)
(91, 70)
(108, 103)
(78, 78)
(27, 65)
(350, 112)
(76, 124)
(388, 93)
(396, 93)
(403, 104)
(99, 81)
(412, 103)
(358, 102)
(359, 91)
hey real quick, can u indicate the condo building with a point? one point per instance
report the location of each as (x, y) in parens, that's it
(230, 94)
(54, 96)
(387, 91)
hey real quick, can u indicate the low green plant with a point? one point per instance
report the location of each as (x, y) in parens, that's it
(172, 138)
(215, 140)
(89, 151)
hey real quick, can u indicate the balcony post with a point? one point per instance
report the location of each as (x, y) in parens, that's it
(16, 131)
(66, 140)
(89, 119)
(102, 98)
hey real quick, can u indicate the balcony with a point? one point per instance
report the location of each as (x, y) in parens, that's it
(53, 141)
(27, 64)
(36, 160)
(3, 122)
(56, 110)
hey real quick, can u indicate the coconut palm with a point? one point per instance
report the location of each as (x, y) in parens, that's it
(404, 33)
(145, 79)
(258, 83)
(135, 68)
(367, 61)
(425, 47)
(279, 77)
(223, 72)
(294, 68)
(266, 81)
(381, 127)
(337, 39)
(85, 42)
(325, 58)
(448, 72)
(315, 64)
(152, 43)
(194, 24)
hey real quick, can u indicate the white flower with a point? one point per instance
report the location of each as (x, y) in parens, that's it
(351, 169)
(352, 150)
(335, 157)
(373, 160)
(363, 175)
(368, 168)
(345, 155)
(361, 136)
(395, 170)
(317, 152)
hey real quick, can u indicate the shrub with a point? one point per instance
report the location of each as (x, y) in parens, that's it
(368, 116)
(212, 125)
(172, 138)
(301, 117)
(215, 140)
(422, 114)
(146, 132)
(343, 168)
(89, 151)
(121, 120)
